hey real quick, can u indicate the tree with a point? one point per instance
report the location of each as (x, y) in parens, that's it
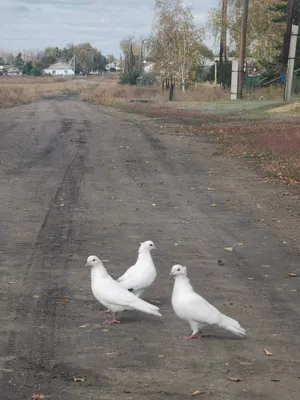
(264, 37)
(28, 68)
(129, 43)
(50, 56)
(18, 62)
(281, 9)
(133, 61)
(176, 44)
(110, 58)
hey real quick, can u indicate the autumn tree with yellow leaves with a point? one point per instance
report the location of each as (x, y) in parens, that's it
(264, 35)
(176, 45)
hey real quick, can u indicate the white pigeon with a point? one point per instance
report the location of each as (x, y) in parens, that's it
(112, 295)
(193, 308)
(143, 273)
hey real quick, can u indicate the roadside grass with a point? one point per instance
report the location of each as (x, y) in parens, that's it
(114, 94)
(17, 90)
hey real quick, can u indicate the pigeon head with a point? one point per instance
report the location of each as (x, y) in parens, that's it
(178, 270)
(92, 260)
(147, 246)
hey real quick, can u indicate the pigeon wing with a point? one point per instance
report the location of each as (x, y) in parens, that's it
(132, 279)
(199, 310)
(112, 292)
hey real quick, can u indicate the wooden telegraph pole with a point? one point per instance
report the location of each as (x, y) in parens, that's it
(223, 39)
(243, 48)
(288, 32)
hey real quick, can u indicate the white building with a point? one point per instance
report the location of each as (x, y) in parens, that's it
(113, 65)
(148, 67)
(60, 68)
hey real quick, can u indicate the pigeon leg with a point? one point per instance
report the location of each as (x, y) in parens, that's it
(112, 321)
(191, 337)
(104, 312)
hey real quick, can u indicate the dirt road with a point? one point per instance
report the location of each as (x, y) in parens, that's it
(77, 180)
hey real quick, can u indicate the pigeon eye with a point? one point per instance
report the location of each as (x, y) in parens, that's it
(94, 259)
(151, 245)
(178, 269)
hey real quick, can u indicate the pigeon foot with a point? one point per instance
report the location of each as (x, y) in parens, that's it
(191, 337)
(110, 322)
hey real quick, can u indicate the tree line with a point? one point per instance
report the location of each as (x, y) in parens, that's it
(265, 30)
(87, 58)
(175, 47)
(178, 52)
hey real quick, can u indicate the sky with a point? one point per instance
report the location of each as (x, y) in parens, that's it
(36, 24)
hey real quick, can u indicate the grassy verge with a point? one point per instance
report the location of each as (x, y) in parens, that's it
(114, 94)
(21, 90)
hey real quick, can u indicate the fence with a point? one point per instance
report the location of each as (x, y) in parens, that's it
(219, 73)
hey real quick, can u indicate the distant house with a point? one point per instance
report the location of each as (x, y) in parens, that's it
(60, 69)
(113, 66)
(13, 71)
(148, 67)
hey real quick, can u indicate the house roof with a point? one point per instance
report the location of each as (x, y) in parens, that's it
(60, 65)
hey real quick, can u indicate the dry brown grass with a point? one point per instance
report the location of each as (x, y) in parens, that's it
(115, 94)
(17, 90)
(293, 108)
(271, 93)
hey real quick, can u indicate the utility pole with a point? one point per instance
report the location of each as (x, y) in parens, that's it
(223, 39)
(243, 48)
(291, 62)
(288, 31)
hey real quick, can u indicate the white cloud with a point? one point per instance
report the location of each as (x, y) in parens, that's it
(40, 23)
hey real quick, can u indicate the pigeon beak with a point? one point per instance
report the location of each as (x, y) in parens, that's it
(86, 264)
(171, 273)
(154, 247)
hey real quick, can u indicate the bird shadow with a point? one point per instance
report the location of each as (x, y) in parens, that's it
(129, 317)
(220, 334)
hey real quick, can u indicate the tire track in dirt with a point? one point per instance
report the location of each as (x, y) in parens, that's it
(44, 281)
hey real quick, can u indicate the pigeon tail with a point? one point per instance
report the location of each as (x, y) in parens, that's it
(145, 307)
(230, 324)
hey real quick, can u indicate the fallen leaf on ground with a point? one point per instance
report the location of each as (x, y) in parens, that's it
(78, 379)
(267, 352)
(197, 393)
(292, 275)
(211, 189)
(84, 326)
(220, 262)
(153, 204)
(228, 248)
(275, 380)
(214, 205)
(240, 244)
(245, 363)
(62, 300)
(6, 370)
(234, 378)
(10, 282)
(38, 396)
